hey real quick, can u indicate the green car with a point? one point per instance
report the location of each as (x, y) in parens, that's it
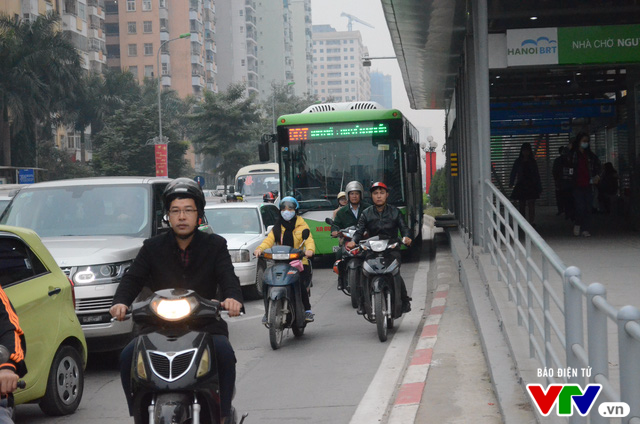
(44, 299)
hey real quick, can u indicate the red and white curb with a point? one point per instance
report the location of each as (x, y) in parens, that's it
(408, 399)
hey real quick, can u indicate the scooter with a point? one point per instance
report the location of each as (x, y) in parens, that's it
(283, 302)
(174, 377)
(349, 268)
(382, 285)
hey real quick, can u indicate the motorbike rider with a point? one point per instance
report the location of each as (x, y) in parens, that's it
(348, 215)
(184, 258)
(342, 202)
(384, 220)
(11, 337)
(288, 231)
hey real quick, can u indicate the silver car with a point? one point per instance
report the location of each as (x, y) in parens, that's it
(94, 228)
(244, 226)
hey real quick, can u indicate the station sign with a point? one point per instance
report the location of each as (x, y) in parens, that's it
(573, 45)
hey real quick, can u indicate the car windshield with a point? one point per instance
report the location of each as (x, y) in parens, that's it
(82, 211)
(234, 220)
(257, 184)
(3, 204)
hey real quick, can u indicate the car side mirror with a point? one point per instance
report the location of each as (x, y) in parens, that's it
(269, 228)
(263, 152)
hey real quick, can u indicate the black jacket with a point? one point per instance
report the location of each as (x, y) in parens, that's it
(159, 266)
(385, 224)
(10, 333)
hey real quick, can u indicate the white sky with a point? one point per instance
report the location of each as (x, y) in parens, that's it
(378, 41)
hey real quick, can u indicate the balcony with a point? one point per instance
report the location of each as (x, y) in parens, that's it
(196, 81)
(166, 80)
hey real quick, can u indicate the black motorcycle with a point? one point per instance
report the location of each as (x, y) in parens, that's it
(174, 377)
(283, 302)
(349, 267)
(381, 285)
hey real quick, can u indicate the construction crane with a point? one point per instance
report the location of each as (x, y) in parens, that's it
(353, 18)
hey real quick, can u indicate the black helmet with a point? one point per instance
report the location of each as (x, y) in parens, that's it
(184, 188)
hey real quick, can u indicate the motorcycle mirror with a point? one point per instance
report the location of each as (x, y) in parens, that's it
(305, 234)
(328, 221)
(4, 354)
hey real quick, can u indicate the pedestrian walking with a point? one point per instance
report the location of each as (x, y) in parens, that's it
(525, 180)
(586, 174)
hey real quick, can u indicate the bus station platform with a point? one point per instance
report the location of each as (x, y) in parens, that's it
(609, 256)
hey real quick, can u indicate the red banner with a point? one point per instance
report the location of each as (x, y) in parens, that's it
(162, 167)
(431, 168)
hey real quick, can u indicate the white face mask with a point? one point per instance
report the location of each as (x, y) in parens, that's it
(287, 215)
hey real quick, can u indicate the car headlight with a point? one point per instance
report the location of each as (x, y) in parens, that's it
(101, 274)
(240, 255)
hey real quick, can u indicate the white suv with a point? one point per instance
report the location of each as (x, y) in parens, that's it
(94, 228)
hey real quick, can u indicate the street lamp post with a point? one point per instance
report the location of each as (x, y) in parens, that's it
(430, 148)
(185, 35)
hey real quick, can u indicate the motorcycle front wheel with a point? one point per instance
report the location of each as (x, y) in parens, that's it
(352, 280)
(380, 308)
(276, 322)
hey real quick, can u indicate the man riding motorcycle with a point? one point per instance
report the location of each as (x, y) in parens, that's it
(190, 259)
(348, 216)
(384, 220)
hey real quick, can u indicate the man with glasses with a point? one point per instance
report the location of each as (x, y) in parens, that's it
(190, 259)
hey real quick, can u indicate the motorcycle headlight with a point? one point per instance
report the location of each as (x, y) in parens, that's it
(205, 363)
(101, 274)
(239, 255)
(378, 245)
(140, 369)
(173, 309)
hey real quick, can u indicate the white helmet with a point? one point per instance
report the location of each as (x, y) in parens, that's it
(354, 186)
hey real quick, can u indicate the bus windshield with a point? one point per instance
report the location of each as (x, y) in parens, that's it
(257, 184)
(316, 171)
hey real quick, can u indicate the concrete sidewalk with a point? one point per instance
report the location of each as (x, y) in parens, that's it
(447, 379)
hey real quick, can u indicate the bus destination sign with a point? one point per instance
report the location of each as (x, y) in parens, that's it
(330, 131)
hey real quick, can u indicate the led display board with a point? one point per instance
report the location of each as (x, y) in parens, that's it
(331, 131)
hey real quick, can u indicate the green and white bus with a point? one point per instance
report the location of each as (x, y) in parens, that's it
(323, 148)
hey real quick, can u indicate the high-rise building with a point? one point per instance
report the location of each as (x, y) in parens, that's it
(275, 41)
(136, 29)
(237, 45)
(301, 28)
(338, 73)
(381, 89)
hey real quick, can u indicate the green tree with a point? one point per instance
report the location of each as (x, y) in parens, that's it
(283, 101)
(438, 192)
(39, 68)
(226, 127)
(120, 149)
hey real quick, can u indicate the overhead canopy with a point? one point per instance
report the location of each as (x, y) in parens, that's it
(427, 36)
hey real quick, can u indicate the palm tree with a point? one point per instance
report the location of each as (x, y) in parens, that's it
(39, 70)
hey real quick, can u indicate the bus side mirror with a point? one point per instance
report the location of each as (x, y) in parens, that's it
(412, 160)
(263, 152)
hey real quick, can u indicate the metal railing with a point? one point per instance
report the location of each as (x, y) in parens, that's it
(529, 267)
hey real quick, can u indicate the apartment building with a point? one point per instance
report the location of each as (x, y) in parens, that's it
(137, 29)
(381, 88)
(338, 72)
(237, 41)
(301, 28)
(275, 41)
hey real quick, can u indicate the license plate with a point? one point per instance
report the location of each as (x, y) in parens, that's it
(93, 319)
